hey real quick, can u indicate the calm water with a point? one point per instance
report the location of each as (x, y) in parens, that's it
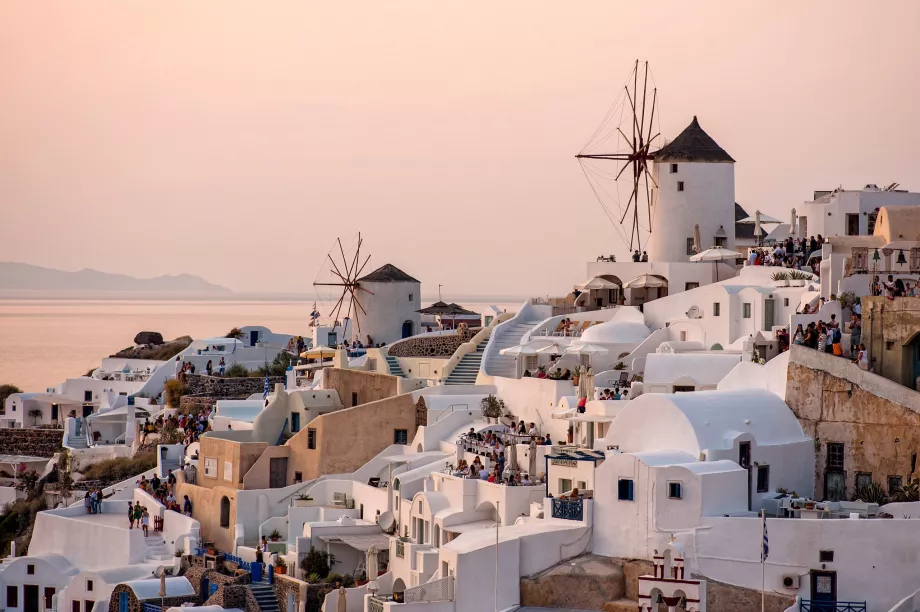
(42, 342)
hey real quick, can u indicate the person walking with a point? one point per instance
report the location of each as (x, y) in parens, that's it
(130, 515)
(145, 520)
(221, 365)
(209, 367)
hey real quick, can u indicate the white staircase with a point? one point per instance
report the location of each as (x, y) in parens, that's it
(77, 442)
(506, 335)
(467, 369)
(156, 548)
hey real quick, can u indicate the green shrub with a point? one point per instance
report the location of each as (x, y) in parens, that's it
(278, 366)
(236, 371)
(872, 493)
(175, 389)
(120, 468)
(334, 577)
(317, 562)
(348, 581)
(6, 391)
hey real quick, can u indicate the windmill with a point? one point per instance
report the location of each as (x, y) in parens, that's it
(634, 135)
(345, 274)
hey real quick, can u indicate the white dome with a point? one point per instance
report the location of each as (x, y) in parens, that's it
(614, 332)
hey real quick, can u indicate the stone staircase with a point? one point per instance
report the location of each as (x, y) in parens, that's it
(265, 595)
(156, 548)
(78, 442)
(393, 365)
(506, 336)
(168, 464)
(467, 369)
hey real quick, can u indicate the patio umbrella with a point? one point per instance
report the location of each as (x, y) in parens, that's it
(597, 283)
(590, 377)
(696, 238)
(532, 460)
(512, 456)
(792, 223)
(764, 219)
(318, 352)
(645, 281)
(552, 349)
(518, 350)
(587, 349)
(715, 255)
(372, 569)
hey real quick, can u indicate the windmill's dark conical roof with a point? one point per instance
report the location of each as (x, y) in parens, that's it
(388, 274)
(693, 145)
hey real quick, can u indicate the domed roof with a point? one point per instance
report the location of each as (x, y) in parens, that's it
(616, 332)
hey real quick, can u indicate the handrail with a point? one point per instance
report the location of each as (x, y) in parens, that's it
(450, 410)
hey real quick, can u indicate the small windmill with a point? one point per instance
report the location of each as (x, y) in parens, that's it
(347, 274)
(634, 135)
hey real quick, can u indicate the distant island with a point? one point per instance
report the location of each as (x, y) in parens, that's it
(19, 276)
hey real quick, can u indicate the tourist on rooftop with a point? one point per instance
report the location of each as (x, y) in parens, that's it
(581, 404)
(221, 365)
(855, 332)
(635, 255)
(547, 441)
(526, 374)
(532, 432)
(209, 367)
(644, 256)
(88, 503)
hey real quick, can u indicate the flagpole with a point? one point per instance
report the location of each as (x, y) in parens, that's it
(763, 561)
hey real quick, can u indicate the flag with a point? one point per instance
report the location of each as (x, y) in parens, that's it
(268, 387)
(766, 541)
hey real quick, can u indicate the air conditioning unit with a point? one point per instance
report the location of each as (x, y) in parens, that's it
(791, 581)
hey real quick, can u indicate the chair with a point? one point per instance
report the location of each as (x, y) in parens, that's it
(624, 376)
(560, 329)
(583, 327)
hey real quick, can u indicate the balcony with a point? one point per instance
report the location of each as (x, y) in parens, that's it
(569, 509)
(810, 605)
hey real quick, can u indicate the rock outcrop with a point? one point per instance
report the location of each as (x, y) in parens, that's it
(149, 337)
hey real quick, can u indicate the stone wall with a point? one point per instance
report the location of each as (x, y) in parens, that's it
(230, 596)
(721, 597)
(285, 586)
(890, 333)
(227, 388)
(876, 420)
(364, 386)
(431, 346)
(136, 605)
(588, 582)
(31, 442)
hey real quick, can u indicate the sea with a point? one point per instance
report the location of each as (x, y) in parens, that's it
(45, 341)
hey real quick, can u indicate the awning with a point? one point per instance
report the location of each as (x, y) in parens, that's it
(117, 414)
(364, 542)
(591, 418)
(52, 398)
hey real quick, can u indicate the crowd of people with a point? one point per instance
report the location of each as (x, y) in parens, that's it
(557, 374)
(164, 491)
(191, 426)
(894, 287)
(492, 446)
(827, 337)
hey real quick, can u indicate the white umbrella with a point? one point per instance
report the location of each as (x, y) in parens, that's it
(792, 223)
(587, 349)
(696, 238)
(715, 255)
(341, 605)
(517, 350)
(645, 281)
(372, 569)
(511, 447)
(318, 352)
(552, 349)
(591, 390)
(597, 283)
(764, 219)
(532, 460)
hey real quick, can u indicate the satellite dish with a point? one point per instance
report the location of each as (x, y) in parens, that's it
(386, 521)
(694, 312)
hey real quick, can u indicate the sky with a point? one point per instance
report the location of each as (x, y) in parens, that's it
(236, 139)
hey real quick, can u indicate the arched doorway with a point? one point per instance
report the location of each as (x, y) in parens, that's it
(225, 512)
(399, 587)
(408, 329)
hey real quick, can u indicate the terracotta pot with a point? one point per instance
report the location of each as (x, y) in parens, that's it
(280, 570)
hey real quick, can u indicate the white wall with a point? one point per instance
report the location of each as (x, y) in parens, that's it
(46, 575)
(388, 306)
(79, 541)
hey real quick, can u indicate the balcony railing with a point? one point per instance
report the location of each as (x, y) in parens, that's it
(437, 590)
(808, 605)
(375, 605)
(400, 548)
(570, 509)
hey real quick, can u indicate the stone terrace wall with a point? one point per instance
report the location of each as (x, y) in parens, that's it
(227, 388)
(31, 442)
(431, 346)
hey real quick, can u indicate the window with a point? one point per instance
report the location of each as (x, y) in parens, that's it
(684, 389)
(410, 297)
(680, 185)
(889, 345)
(720, 241)
(673, 168)
(716, 309)
(298, 476)
(89, 585)
(863, 479)
(87, 396)
(75, 605)
(228, 471)
(746, 310)
(311, 438)
(763, 479)
(689, 286)
(12, 596)
(400, 436)
(674, 490)
(49, 595)
(835, 455)
(565, 485)
(690, 244)
(785, 301)
(210, 467)
(625, 489)
(354, 398)
(88, 605)
(744, 454)
(825, 556)
(225, 512)
(30, 569)
(894, 483)
(582, 485)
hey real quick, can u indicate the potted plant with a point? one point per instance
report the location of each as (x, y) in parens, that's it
(303, 501)
(179, 552)
(797, 278)
(780, 279)
(280, 565)
(492, 407)
(274, 536)
(619, 366)
(571, 432)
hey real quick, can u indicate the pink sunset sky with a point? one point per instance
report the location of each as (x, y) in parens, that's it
(237, 139)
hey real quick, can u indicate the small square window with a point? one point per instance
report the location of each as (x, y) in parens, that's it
(674, 490)
(894, 483)
(565, 485)
(720, 241)
(763, 479)
(30, 569)
(716, 309)
(673, 168)
(89, 585)
(746, 310)
(690, 244)
(410, 297)
(835, 455)
(582, 485)
(825, 556)
(298, 476)
(625, 489)
(680, 185)
(889, 345)
(311, 438)
(87, 396)
(863, 479)
(689, 286)
(400, 436)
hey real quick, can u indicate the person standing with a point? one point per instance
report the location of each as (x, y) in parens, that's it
(145, 520)
(221, 365)
(130, 515)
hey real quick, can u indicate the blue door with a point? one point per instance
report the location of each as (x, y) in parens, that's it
(407, 329)
(123, 602)
(823, 591)
(253, 338)
(295, 422)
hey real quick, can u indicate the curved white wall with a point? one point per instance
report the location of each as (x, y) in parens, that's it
(708, 198)
(387, 309)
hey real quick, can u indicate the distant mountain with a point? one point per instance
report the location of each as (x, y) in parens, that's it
(20, 276)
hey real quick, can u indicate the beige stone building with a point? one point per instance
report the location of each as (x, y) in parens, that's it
(866, 428)
(891, 333)
(335, 442)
